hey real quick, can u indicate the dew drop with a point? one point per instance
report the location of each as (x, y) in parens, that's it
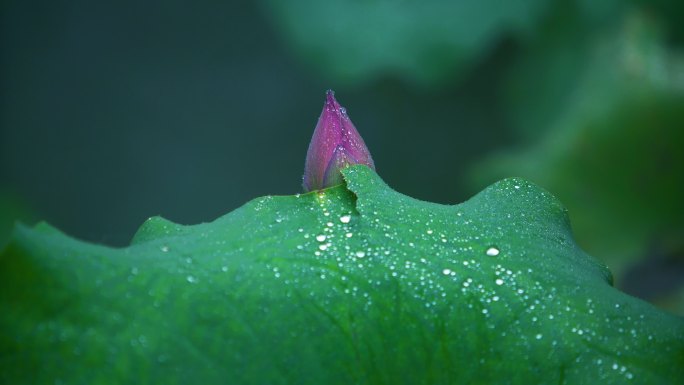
(345, 218)
(360, 254)
(164, 249)
(539, 336)
(320, 238)
(492, 251)
(191, 279)
(499, 281)
(446, 271)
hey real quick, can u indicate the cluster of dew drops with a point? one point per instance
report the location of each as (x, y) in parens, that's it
(430, 277)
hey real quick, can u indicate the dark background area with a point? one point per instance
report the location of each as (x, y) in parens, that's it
(114, 112)
(111, 114)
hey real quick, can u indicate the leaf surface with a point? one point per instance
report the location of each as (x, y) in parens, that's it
(353, 284)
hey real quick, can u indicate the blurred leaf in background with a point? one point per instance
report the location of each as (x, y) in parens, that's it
(422, 42)
(612, 149)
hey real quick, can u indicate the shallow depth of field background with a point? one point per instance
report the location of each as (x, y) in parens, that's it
(112, 113)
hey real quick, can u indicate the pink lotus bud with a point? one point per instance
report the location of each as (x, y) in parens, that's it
(335, 145)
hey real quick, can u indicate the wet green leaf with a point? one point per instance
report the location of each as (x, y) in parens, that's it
(356, 284)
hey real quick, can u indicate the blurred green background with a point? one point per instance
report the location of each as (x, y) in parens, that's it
(114, 112)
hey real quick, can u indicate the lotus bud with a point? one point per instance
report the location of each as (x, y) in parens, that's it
(335, 145)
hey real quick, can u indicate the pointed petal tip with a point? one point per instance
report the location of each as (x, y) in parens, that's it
(330, 101)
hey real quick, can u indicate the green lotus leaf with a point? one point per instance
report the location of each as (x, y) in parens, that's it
(355, 284)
